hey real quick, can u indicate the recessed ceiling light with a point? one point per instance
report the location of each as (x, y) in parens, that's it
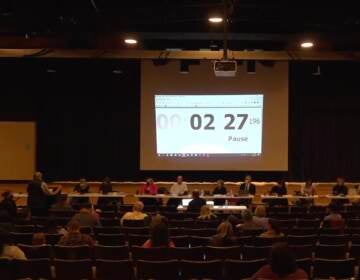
(130, 41)
(215, 19)
(307, 44)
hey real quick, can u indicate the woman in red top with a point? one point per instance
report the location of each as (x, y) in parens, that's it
(159, 235)
(282, 265)
(148, 188)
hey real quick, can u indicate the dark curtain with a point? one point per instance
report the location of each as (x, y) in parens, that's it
(88, 119)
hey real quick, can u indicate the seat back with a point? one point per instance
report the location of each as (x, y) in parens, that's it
(222, 253)
(334, 239)
(151, 254)
(32, 268)
(180, 241)
(111, 239)
(343, 268)
(237, 269)
(72, 252)
(73, 269)
(111, 252)
(255, 252)
(331, 251)
(21, 238)
(302, 239)
(302, 251)
(114, 269)
(137, 239)
(193, 253)
(161, 270)
(201, 269)
(196, 241)
(36, 252)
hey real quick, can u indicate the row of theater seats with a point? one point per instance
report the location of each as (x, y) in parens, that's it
(199, 253)
(166, 269)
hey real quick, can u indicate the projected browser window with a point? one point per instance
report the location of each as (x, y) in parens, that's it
(209, 125)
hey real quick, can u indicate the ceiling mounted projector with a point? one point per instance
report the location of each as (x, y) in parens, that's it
(225, 68)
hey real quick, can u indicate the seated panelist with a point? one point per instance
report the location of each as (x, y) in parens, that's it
(247, 187)
(340, 188)
(148, 188)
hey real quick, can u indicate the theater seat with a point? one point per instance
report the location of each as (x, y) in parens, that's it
(151, 254)
(72, 252)
(160, 270)
(114, 270)
(111, 252)
(201, 269)
(222, 253)
(111, 239)
(33, 269)
(73, 269)
(339, 269)
(237, 269)
(331, 251)
(255, 252)
(36, 252)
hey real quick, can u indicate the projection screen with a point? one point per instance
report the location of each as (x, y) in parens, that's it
(198, 121)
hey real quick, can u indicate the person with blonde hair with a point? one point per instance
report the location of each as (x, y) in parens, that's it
(205, 213)
(260, 217)
(136, 214)
(224, 236)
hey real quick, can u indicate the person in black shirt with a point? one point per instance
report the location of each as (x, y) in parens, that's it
(39, 194)
(340, 188)
(219, 190)
(279, 189)
(247, 187)
(8, 210)
(196, 203)
(82, 188)
(106, 188)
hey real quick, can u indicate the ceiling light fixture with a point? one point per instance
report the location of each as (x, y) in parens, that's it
(215, 19)
(130, 41)
(307, 44)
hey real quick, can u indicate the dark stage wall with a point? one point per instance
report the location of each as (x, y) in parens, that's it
(88, 119)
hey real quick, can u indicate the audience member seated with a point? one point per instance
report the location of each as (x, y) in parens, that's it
(196, 203)
(39, 239)
(86, 217)
(74, 237)
(136, 214)
(62, 204)
(52, 227)
(274, 230)
(247, 187)
(260, 217)
(8, 251)
(334, 219)
(159, 235)
(249, 222)
(220, 189)
(81, 188)
(282, 265)
(206, 214)
(8, 210)
(224, 236)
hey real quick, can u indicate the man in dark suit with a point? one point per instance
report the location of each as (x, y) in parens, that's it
(247, 187)
(196, 203)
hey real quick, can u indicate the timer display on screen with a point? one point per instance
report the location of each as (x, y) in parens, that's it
(209, 125)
